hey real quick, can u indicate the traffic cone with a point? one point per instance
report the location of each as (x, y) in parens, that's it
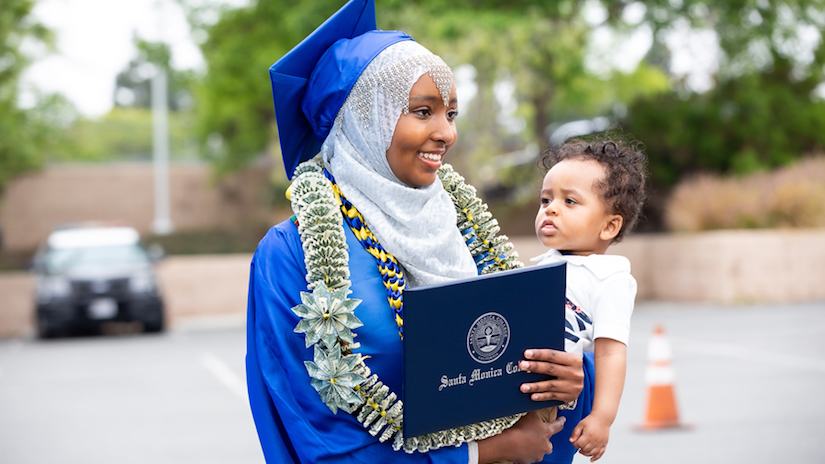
(661, 402)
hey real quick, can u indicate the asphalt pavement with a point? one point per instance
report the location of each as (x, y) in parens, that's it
(748, 386)
(170, 398)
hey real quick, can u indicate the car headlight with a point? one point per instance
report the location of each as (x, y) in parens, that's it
(53, 287)
(142, 283)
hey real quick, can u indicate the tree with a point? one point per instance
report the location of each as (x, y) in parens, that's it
(541, 49)
(539, 46)
(24, 133)
(763, 111)
(235, 116)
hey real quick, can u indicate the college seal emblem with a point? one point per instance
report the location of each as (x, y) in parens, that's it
(488, 337)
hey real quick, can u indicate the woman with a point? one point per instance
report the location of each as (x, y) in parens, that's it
(383, 108)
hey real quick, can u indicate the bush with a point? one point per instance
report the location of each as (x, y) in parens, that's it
(755, 122)
(793, 196)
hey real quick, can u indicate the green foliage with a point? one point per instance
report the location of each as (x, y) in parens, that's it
(757, 122)
(762, 113)
(752, 33)
(539, 46)
(234, 101)
(24, 133)
(125, 134)
(16, 27)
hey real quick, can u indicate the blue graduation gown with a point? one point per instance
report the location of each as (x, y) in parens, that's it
(294, 425)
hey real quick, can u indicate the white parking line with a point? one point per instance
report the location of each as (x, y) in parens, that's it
(225, 375)
(749, 354)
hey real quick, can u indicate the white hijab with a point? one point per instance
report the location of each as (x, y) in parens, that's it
(416, 225)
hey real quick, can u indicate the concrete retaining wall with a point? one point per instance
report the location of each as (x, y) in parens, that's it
(728, 267)
(731, 266)
(716, 267)
(35, 203)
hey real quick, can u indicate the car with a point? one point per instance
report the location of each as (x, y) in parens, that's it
(86, 276)
(558, 133)
(490, 184)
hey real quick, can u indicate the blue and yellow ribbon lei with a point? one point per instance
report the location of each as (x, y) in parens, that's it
(391, 273)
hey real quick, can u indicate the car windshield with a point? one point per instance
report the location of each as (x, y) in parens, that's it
(62, 260)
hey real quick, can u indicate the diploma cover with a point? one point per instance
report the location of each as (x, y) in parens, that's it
(463, 341)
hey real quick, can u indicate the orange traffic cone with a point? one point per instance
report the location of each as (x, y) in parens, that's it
(661, 402)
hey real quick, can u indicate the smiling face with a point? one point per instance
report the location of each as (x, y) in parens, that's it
(423, 136)
(573, 216)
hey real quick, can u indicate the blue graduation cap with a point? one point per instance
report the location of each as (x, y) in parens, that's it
(311, 82)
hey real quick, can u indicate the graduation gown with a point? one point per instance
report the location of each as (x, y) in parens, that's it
(294, 425)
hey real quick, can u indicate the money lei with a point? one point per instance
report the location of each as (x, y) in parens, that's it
(340, 375)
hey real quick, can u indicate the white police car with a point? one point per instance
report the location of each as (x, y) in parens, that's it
(86, 276)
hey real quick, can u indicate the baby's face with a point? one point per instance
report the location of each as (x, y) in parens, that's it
(573, 214)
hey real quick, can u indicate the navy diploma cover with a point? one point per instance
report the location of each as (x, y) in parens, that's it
(463, 341)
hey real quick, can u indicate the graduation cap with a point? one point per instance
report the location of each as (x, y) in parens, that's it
(311, 82)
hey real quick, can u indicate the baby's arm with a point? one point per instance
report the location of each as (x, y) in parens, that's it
(591, 434)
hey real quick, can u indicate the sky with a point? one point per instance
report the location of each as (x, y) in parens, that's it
(95, 43)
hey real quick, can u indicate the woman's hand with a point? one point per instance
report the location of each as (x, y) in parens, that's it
(565, 367)
(526, 442)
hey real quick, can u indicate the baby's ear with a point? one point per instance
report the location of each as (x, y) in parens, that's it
(611, 228)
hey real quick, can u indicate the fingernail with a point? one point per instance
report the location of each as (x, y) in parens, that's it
(528, 354)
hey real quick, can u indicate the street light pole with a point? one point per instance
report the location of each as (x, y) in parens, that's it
(162, 223)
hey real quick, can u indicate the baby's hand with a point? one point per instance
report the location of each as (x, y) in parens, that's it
(590, 437)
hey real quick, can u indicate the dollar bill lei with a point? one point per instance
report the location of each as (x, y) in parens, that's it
(338, 373)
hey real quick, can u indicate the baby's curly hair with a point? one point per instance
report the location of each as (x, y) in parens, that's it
(624, 162)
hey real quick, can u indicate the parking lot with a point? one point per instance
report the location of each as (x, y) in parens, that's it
(177, 397)
(748, 383)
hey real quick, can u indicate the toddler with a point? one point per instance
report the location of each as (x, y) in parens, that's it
(591, 197)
